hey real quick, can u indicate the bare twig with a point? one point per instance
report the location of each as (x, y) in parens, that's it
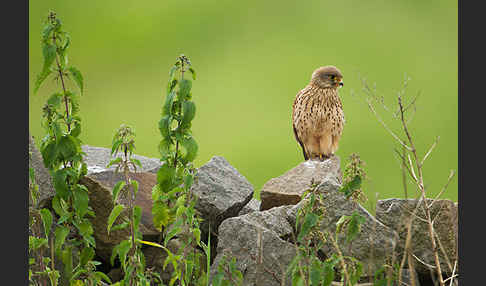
(443, 188)
(430, 150)
(423, 262)
(386, 127)
(453, 274)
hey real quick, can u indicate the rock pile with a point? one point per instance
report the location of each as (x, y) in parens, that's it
(261, 236)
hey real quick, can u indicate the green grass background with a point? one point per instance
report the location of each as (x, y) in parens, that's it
(251, 58)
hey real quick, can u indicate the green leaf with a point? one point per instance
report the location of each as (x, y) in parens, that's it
(113, 215)
(115, 161)
(173, 232)
(169, 100)
(40, 79)
(191, 148)
(134, 184)
(164, 146)
(164, 126)
(46, 32)
(193, 72)
(297, 280)
(49, 154)
(185, 88)
(310, 221)
(122, 250)
(115, 145)
(160, 213)
(76, 130)
(136, 162)
(86, 255)
(49, 54)
(81, 200)
(218, 278)
(116, 190)
(67, 147)
(55, 100)
(120, 226)
(188, 181)
(165, 176)
(197, 235)
(85, 228)
(328, 271)
(59, 179)
(56, 205)
(137, 216)
(315, 273)
(103, 276)
(77, 76)
(36, 242)
(351, 186)
(84, 170)
(172, 71)
(170, 86)
(61, 233)
(46, 217)
(354, 226)
(189, 111)
(67, 260)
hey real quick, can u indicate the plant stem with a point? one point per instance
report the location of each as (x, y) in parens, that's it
(424, 198)
(59, 69)
(179, 120)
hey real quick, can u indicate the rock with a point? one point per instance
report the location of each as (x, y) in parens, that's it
(221, 191)
(146, 181)
(42, 177)
(98, 157)
(375, 242)
(252, 206)
(115, 274)
(100, 201)
(289, 187)
(155, 258)
(239, 238)
(394, 213)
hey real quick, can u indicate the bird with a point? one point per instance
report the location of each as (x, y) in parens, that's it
(317, 114)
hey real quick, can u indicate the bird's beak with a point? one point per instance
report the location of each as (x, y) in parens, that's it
(341, 83)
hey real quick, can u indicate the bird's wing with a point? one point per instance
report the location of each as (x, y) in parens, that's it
(295, 129)
(300, 142)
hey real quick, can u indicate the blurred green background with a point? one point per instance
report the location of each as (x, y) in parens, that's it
(251, 58)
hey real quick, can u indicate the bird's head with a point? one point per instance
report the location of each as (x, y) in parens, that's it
(327, 77)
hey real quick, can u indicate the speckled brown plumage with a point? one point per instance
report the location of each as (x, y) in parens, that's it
(317, 114)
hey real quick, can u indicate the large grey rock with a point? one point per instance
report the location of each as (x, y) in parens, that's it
(289, 187)
(98, 157)
(375, 242)
(239, 238)
(146, 181)
(221, 191)
(42, 177)
(395, 213)
(252, 206)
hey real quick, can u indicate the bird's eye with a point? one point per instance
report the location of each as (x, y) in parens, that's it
(332, 77)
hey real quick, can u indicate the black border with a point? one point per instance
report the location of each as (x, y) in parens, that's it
(471, 145)
(14, 137)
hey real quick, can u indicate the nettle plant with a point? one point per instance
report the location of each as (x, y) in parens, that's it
(62, 156)
(41, 268)
(173, 207)
(308, 267)
(129, 250)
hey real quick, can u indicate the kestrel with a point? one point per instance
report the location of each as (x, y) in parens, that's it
(317, 114)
